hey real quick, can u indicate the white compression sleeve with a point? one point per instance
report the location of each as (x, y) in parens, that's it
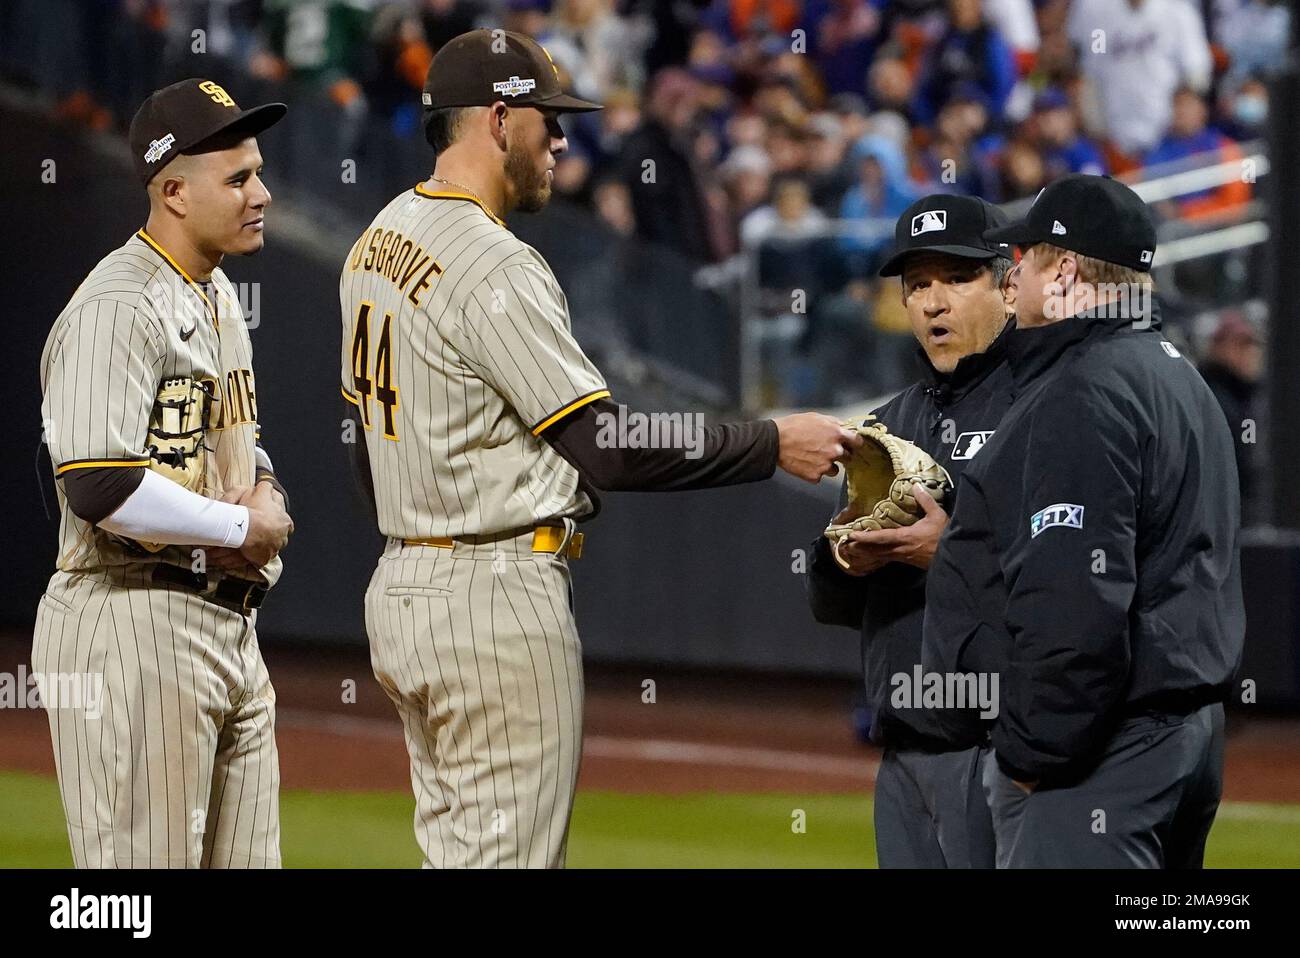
(161, 511)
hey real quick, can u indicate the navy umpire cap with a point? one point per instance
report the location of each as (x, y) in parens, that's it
(1092, 215)
(181, 117)
(944, 223)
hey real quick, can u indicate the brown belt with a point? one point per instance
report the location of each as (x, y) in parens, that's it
(545, 539)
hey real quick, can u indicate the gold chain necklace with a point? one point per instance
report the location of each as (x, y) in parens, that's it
(460, 186)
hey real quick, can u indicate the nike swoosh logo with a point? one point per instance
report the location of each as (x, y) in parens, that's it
(187, 333)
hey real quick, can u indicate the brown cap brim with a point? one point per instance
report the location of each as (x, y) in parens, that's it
(246, 123)
(563, 103)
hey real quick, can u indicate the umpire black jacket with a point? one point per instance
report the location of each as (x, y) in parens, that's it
(1092, 559)
(950, 417)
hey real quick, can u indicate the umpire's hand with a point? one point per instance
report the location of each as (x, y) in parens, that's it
(865, 552)
(811, 443)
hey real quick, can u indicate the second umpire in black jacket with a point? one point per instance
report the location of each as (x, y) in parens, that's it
(930, 808)
(1092, 558)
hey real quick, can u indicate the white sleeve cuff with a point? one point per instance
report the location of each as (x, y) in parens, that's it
(161, 511)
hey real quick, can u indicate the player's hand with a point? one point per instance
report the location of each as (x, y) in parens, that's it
(849, 558)
(810, 443)
(269, 525)
(915, 544)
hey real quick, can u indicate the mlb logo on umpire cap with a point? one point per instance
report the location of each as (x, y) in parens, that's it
(929, 221)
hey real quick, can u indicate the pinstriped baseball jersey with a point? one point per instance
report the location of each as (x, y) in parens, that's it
(457, 352)
(136, 320)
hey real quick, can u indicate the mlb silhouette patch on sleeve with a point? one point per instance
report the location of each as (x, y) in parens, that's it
(1065, 514)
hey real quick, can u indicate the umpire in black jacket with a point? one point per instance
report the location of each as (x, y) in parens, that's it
(930, 809)
(1092, 558)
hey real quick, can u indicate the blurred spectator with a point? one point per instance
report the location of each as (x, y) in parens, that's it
(599, 49)
(1136, 53)
(830, 171)
(787, 148)
(321, 41)
(229, 26)
(1232, 369)
(656, 166)
(613, 203)
(948, 163)
(970, 51)
(846, 42)
(1056, 134)
(851, 110)
(1246, 110)
(1190, 134)
(890, 86)
(882, 192)
(1015, 21)
(1022, 170)
(746, 177)
(746, 17)
(402, 57)
(1254, 34)
(445, 20)
(526, 16)
(790, 215)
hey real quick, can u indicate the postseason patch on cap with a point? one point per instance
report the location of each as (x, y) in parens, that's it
(158, 148)
(931, 221)
(514, 86)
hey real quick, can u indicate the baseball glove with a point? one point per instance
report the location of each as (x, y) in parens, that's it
(174, 441)
(880, 475)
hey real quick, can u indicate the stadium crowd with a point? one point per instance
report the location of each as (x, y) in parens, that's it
(733, 124)
(768, 117)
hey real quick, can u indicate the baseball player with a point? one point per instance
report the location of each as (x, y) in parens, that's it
(171, 517)
(1092, 559)
(930, 809)
(485, 439)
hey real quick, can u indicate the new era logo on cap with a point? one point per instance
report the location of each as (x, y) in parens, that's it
(929, 222)
(1057, 228)
(514, 86)
(1146, 255)
(158, 147)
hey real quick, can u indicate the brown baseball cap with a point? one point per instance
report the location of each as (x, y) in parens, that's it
(180, 117)
(483, 66)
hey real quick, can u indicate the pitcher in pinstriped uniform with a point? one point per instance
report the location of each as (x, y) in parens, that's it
(479, 416)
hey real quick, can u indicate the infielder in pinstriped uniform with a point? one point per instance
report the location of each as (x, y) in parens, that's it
(171, 518)
(480, 419)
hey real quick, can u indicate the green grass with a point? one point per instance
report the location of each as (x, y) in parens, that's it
(373, 829)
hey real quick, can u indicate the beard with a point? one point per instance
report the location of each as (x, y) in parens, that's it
(531, 188)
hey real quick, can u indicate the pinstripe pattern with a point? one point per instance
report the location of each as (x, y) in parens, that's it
(181, 768)
(476, 646)
(485, 670)
(485, 357)
(118, 337)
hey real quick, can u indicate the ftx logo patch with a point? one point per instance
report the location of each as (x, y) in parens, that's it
(1065, 514)
(931, 221)
(514, 86)
(969, 443)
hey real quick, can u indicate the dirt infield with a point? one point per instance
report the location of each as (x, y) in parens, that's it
(703, 732)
